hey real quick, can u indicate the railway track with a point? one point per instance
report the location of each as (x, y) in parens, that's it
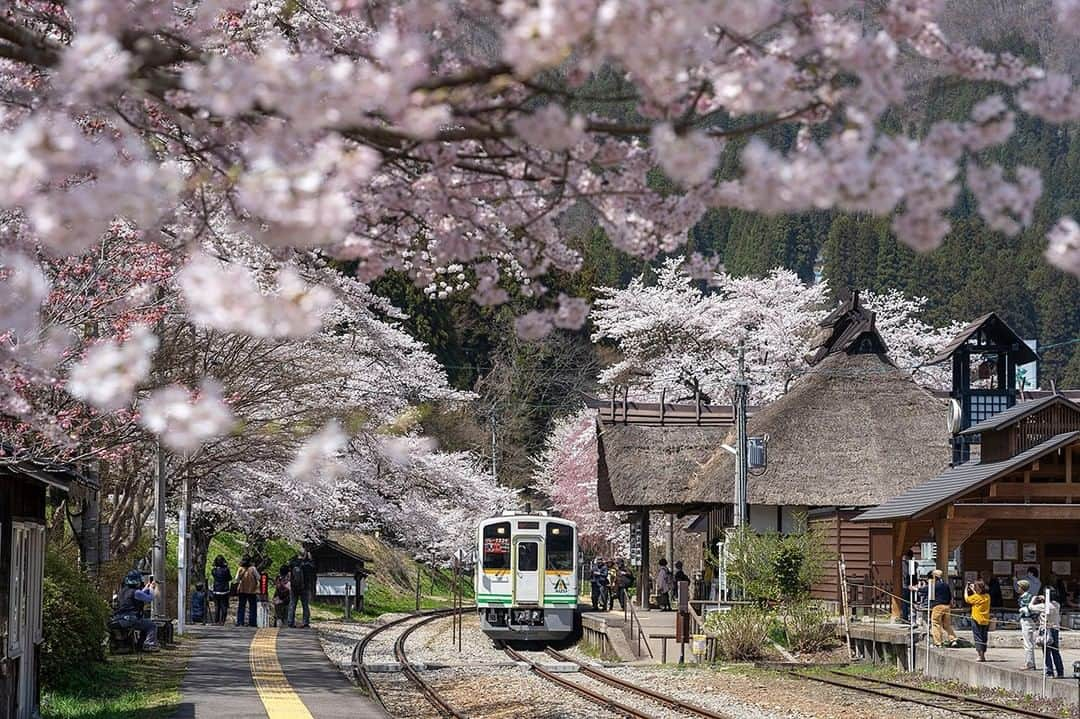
(962, 705)
(596, 697)
(363, 677)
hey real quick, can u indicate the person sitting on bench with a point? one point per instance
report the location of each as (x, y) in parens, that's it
(129, 609)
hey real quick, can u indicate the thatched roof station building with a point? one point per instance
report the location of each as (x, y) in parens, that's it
(853, 432)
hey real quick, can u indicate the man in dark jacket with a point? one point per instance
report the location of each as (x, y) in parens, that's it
(940, 620)
(302, 579)
(130, 602)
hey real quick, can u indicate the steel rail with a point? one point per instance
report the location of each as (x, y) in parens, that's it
(978, 711)
(359, 669)
(669, 701)
(442, 706)
(594, 697)
(947, 695)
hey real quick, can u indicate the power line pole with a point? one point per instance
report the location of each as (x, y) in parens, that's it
(182, 550)
(494, 475)
(158, 559)
(742, 391)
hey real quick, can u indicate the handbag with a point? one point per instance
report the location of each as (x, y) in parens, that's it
(234, 589)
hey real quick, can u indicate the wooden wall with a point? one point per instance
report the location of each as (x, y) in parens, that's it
(866, 549)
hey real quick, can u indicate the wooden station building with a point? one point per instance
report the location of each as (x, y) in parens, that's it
(1016, 506)
(851, 433)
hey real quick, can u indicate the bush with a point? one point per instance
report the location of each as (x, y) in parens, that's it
(741, 634)
(807, 627)
(73, 618)
(771, 567)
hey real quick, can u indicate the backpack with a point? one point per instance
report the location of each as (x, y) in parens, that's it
(296, 577)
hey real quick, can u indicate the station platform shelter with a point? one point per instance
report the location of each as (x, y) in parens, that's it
(1014, 508)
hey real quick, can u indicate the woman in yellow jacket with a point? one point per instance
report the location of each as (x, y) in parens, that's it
(976, 595)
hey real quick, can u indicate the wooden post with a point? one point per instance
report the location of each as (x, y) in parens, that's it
(844, 606)
(643, 580)
(900, 545)
(941, 538)
(1068, 470)
(1027, 487)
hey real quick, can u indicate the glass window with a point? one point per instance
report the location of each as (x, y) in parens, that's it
(560, 547)
(497, 546)
(528, 556)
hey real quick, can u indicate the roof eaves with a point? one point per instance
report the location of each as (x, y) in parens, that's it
(1017, 412)
(908, 505)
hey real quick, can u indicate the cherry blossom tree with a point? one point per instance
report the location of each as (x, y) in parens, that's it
(674, 336)
(566, 474)
(912, 341)
(425, 136)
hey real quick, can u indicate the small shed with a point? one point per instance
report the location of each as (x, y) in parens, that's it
(341, 571)
(24, 492)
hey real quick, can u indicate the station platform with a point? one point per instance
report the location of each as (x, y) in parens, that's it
(608, 633)
(1003, 668)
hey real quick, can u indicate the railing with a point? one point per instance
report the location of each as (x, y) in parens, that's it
(629, 619)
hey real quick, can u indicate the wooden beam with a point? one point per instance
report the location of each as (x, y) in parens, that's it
(1025, 511)
(1055, 489)
(1027, 483)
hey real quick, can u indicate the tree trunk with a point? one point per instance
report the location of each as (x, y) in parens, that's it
(204, 526)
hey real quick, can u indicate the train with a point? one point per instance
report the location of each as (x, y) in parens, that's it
(526, 578)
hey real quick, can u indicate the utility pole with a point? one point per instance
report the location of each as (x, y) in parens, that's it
(742, 390)
(158, 559)
(182, 549)
(494, 475)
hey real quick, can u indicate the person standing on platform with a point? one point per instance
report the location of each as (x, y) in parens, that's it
(220, 589)
(975, 594)
(298, 592)
(663, 586)
(625, 580)
(247, 590)
(598, 579)
(905, 586)
(1034, 583)
(993, 588)
(1029, 629)
(680, 576)
(282, 592)
(940, 620)
(1049, 614)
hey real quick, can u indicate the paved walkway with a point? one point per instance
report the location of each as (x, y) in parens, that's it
(244, 673)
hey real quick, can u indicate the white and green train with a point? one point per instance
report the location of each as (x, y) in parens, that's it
(526, 578)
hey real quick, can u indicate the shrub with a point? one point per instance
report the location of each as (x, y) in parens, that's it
(73, 619)
(771, 567)
(807, 626)
(741, 633)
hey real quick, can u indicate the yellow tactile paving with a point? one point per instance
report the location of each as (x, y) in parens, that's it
(278, 696)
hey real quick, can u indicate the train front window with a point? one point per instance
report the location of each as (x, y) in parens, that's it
(497, 546)
(560, 547)
(528, 556)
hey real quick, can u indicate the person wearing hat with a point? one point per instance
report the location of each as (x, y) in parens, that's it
(1029, 627)
(940, 620)
(129, 609)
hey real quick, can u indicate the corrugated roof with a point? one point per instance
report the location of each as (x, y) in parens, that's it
(1017, 412)
(958, 481)
(1024, 353)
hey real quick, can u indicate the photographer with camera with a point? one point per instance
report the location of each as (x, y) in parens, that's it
(976, 595)
(133, 597)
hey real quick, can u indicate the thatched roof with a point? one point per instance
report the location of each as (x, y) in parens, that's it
(854, 431)
(650, 466)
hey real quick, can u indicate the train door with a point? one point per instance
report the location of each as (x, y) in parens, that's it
(527, 571)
